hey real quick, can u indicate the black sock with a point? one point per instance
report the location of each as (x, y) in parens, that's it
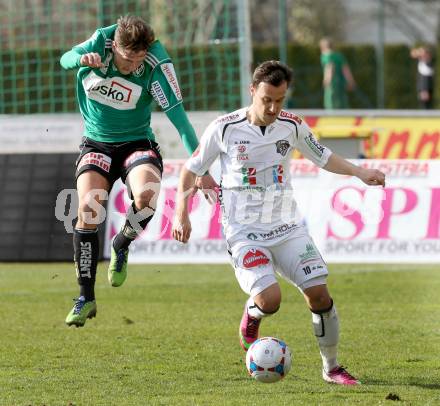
(86, 252)
(132, 228)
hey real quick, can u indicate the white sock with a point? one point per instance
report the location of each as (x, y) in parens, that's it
(329, 357)
(326, 327)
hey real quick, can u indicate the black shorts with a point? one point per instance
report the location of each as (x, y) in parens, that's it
(116, 160)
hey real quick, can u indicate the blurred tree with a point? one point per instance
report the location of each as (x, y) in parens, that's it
(207, 21)
(307, 20)
(409, 17)
(310, 20)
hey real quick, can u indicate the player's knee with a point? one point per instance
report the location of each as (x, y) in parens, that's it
(320, 303)
(318, 298)
(269, 300)
(270, 306)
(146, 198)
(90, 213)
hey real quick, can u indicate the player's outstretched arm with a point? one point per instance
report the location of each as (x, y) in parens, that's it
(337, 164)
(92, 60)
(182, 224)
(73, 59)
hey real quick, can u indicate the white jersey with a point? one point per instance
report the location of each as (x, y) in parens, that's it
(256, 192)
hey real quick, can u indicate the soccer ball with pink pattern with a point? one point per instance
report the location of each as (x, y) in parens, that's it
(268, 359)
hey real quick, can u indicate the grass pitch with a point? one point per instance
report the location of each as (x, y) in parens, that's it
(169, 336)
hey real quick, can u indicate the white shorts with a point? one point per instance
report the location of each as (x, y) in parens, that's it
(296, 259)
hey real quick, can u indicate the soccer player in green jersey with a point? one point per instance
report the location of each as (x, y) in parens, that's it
(337, 76)
(122, 69)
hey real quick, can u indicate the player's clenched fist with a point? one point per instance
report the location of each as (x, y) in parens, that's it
(181, 228)
(92, 60)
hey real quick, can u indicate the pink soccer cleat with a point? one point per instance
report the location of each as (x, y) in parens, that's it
(339, 376)
(248, 331)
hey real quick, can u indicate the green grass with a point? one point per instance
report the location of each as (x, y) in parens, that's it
(169, 337)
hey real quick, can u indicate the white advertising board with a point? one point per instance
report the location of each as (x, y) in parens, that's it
(349, 221)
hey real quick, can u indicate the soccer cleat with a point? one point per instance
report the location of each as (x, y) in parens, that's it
(339, 376)
(80, 312)
(117, 268)
(248, 331)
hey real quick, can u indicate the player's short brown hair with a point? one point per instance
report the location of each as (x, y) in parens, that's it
(133, 33)
(272, 72)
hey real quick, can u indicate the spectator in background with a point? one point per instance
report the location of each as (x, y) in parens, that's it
(337, 76)
(425, 76)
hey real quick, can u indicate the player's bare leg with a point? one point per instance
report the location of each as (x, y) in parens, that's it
(92, 190)
(144, 183)
(264, 304)
(326, 326)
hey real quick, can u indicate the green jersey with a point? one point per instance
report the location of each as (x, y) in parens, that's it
(338, 61)
(335, 95)
(117, 107)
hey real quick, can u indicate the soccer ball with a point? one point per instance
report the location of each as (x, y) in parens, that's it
(268, 360)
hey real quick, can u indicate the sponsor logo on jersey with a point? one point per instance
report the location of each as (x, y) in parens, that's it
(228, 118)
(254, 258)
(170, 74)
(242, 142)
(93, 158)
(314, 145)
(159, 95)
(116, 92)
(290, 116)
(282, 147)
(275, 233)
(310, 253)
(242, 156)
(136, 156)
(85, 259)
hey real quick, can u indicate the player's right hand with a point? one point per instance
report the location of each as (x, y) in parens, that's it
(181, 228)
(92, 60)
(208, 186)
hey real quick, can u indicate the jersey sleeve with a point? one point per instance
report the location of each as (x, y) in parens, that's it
(186, 131)
(164, 86)
(206, 153)
(71, 59)
(310, 147)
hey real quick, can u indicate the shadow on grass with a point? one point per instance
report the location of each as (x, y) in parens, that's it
(411, 381)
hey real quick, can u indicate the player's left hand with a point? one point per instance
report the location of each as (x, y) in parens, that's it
(372, 177)
(208, 186)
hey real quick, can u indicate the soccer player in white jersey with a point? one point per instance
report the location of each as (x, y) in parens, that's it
(254, 145)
